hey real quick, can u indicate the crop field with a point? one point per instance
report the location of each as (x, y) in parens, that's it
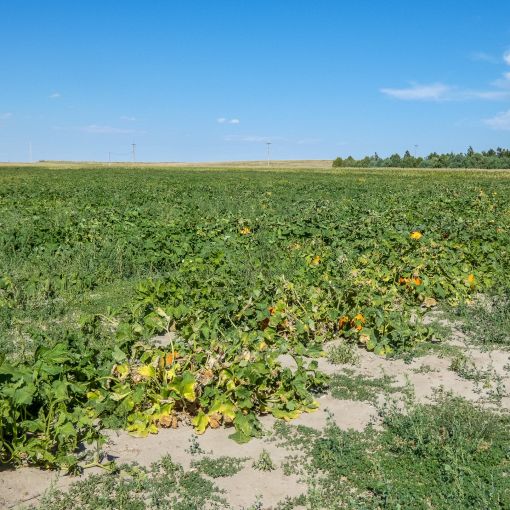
(157, 300)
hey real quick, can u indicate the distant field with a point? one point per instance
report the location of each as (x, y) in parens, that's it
(261, 165)
(313, 163)
(73, 241)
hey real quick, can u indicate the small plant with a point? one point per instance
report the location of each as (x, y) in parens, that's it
(257, 505)
(462, 365)
(194, 447)
(264, 462)
(424, 369)
(220, 467)
(347, 386)
(440, 330)
(343, 354)
(485, 380)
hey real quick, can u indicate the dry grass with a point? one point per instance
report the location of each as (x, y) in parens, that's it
(317, 165)
(310, 164)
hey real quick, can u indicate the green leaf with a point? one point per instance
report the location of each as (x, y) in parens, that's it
(223, 407)
(184, 386)
(200, 422)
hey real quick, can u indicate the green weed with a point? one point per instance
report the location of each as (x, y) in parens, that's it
(219, 467)
(348, 386)
(343, 354)
(487, 321)
(450, 455)
(264, 462)
(163, 486)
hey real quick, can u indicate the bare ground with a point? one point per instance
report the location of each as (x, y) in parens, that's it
(424, 376)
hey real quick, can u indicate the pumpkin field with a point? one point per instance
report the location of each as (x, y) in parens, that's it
(155, 300)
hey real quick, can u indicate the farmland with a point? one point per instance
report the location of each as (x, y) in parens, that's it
(237, 270)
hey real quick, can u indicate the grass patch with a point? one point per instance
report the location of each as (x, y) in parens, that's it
(343, 354)
(446, 456)
(486, 380)
(424, 369)
(487, 321)
(348, 386)
(220, 467)
(163, 486)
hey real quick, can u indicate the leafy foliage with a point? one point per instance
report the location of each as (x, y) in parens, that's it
(43, 407)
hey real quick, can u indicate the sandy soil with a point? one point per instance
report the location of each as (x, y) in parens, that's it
(426, 375)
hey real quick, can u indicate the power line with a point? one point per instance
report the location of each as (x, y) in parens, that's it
(268, 145)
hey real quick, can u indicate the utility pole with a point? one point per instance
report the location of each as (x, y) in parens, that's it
(415, 149)
(268, 145)
(30, 152)
(133, 151)
(109, 158)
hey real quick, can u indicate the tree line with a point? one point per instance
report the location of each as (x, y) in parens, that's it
(492, 158)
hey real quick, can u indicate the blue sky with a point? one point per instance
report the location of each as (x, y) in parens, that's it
(214, 80)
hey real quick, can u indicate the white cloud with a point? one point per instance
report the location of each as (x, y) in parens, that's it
(488, 95)
(246, 138)
(442, 92)
(55, 95)
(417, 92)
(481, 56)
(223, 120)
(5, 115)
(257, 139)
(500, 122)
(106, 130)
(439, 92)
(308, 141)
(503, 82)
(127, 118)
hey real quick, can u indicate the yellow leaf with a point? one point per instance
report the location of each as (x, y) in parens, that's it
(121, 371)
(429, 302)
(147, 371)
(200, 422)
(315, 261)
